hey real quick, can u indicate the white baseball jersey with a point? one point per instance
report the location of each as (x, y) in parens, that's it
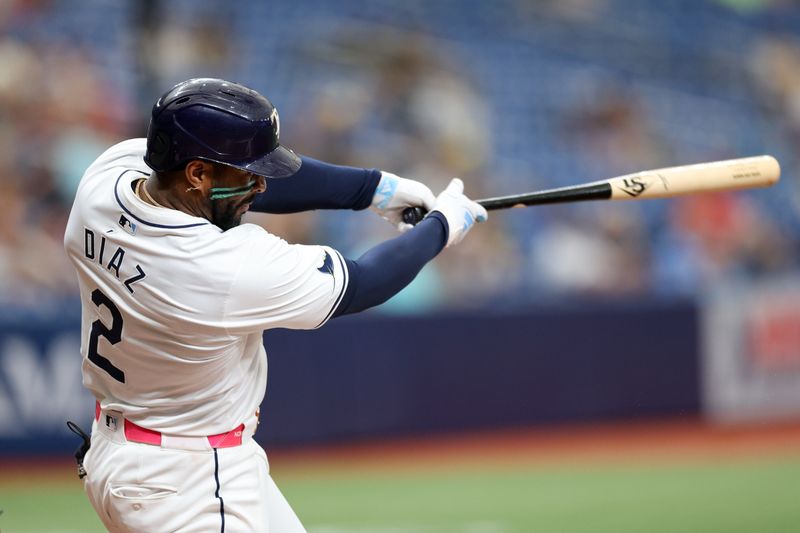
(174, 308)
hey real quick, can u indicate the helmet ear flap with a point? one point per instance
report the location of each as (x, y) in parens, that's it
(159, 150)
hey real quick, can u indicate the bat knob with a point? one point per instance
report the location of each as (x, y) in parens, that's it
(413, 215)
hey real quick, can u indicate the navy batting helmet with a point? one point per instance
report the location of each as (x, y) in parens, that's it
(220, 121)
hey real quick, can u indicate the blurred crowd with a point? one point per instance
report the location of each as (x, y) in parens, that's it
(412, 104)
(56, 113)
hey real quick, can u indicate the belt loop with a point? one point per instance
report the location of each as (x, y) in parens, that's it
(227, 439)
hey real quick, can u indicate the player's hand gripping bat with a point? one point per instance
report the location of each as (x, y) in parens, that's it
(732, 174)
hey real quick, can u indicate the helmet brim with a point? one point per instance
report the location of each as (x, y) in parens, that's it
(279, 163)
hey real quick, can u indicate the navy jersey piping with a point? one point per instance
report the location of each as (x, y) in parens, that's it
(216, 494)
(140, 220)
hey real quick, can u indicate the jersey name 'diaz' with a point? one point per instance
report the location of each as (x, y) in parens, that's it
(97, 253)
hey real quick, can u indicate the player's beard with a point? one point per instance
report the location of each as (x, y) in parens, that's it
(225, 215)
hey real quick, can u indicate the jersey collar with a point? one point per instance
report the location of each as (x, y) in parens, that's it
(150, 215)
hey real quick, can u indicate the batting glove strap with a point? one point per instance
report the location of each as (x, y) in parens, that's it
(460, 212)
(394, 194)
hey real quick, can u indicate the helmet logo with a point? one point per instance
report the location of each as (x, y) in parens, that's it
(276, 120)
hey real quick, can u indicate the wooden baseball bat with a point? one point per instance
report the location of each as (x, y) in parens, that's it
(728, 175)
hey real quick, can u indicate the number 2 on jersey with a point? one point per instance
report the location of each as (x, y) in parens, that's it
(112, 335)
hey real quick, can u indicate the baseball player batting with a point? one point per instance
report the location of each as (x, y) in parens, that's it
(176, 294)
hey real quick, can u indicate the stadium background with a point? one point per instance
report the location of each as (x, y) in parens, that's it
(655, 346)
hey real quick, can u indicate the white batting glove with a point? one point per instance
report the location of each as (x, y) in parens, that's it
(461, 212)
(394, 194)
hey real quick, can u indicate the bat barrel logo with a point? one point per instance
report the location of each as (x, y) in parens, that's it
(634, 187)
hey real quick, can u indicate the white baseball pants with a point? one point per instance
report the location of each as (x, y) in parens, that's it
(151, 489)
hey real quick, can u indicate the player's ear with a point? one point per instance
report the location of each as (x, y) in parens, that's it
(198, 174)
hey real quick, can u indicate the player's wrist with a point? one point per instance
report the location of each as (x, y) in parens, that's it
(439, 217)
(385, 191)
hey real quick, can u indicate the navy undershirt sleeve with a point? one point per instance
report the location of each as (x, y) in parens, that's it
(386, 269)
(319, 185)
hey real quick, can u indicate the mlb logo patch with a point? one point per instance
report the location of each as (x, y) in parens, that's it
(111, 422)
(127, 225)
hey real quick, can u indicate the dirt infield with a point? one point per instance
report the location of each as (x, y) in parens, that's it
(661, 441)
(629, 442)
